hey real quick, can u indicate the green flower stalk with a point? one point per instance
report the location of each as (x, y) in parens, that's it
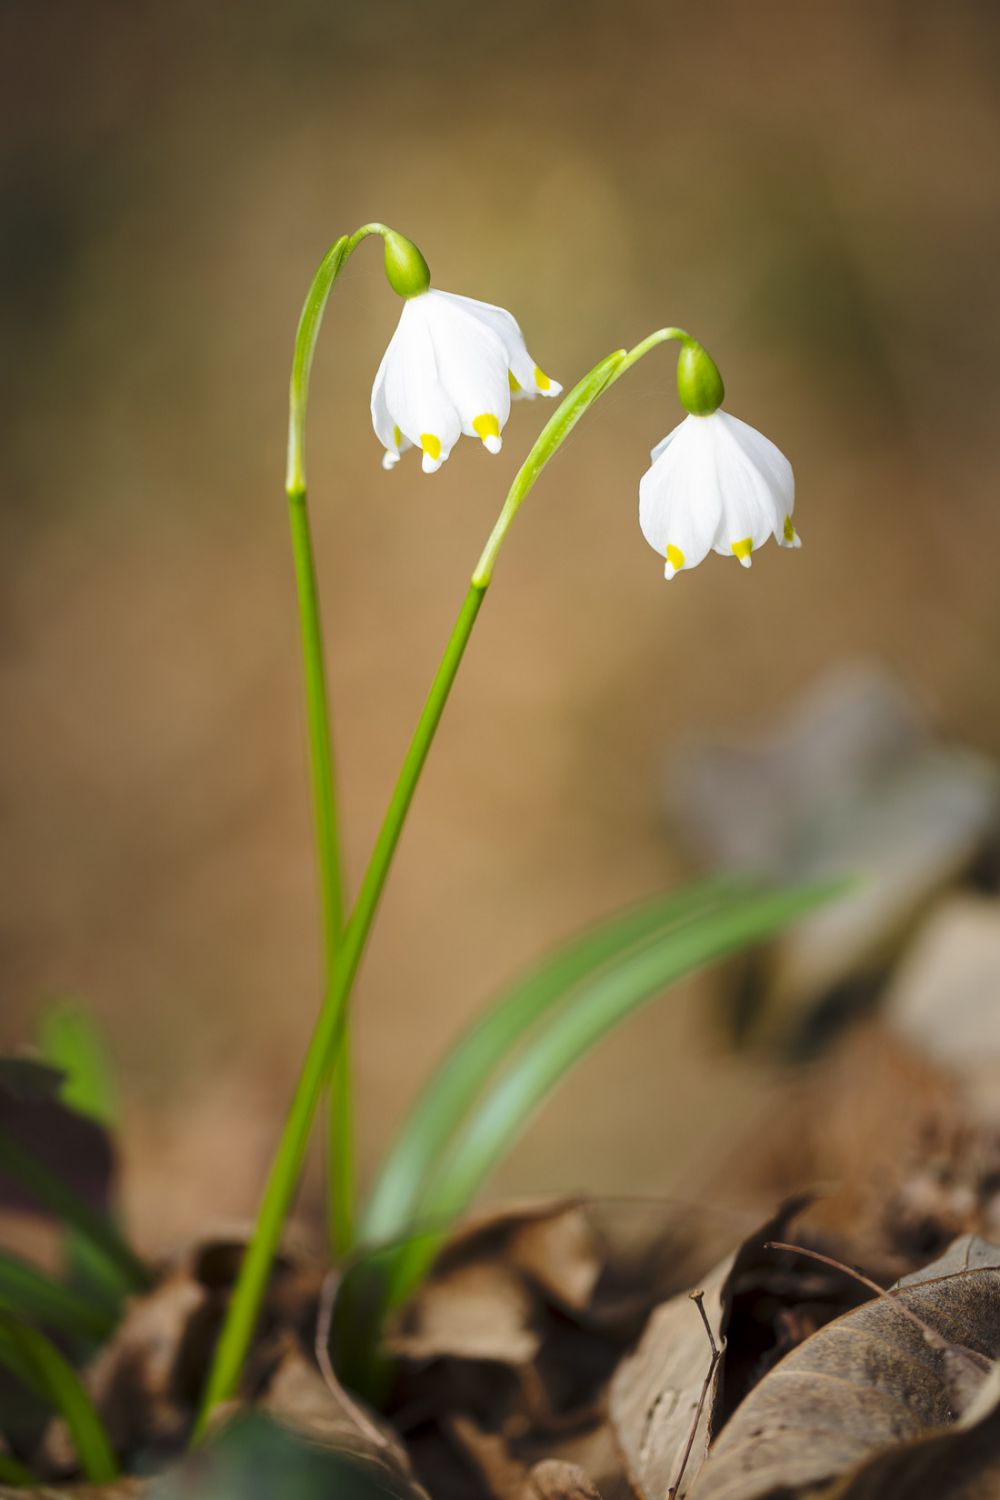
(328, 847)
(344, 949)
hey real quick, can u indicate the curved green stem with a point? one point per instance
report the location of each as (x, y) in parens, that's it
(321, 765)
(283, 1178)
(282, 1182)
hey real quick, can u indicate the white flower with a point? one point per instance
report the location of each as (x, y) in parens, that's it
(451, 367)
(716, 484)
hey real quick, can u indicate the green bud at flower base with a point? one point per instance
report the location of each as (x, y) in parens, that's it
(699, 383)
(405, 267)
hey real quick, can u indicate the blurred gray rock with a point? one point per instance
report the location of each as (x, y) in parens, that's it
(853, 782)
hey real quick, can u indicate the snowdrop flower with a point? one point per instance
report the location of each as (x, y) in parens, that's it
(716, 484)
(452, 366)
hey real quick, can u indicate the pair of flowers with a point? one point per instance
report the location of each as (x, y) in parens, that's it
(454, 365)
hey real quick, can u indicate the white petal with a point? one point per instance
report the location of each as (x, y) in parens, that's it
(680, 507)
(386, 430)
(756, 482)
(664, 444)
(472, 367)
(531, 380)
(414, 394)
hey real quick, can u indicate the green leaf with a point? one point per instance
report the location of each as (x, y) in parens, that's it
(39, 1366)
(41, 1298)
(592, 1011)
(63, 1203)
(71, 1042)
(453, 1088)
(12, 1472)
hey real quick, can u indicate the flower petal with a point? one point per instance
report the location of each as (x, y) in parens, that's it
(680, 508)
(472, 367)
(414, 394)
(529, 379)
(386, 430)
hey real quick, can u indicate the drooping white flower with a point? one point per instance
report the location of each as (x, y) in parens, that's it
(451, 367)
(715, 485)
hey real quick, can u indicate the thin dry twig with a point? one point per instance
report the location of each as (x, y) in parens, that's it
(698, 1298)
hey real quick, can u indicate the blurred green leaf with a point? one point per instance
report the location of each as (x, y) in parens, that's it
(453, 1088)
(39, 1365)
(70, 1041)
(49, 1190)
(589, 1014)
(41, 1298)
(12, 1472)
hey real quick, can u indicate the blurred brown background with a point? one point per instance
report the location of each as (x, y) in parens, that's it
(811, 188)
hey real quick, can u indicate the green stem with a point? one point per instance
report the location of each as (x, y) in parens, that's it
(329, 861)
(282, 1182)
(321, 764)
(283, 1179)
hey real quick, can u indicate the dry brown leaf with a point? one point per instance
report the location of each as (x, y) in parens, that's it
(578, 1279)
(969, 1252)
(555, 1480)
(963, 1464)
(561, 1254)
(479, 1311)
(300, 1398)
(119, 1489)
(870, 1380)
(663, 1398)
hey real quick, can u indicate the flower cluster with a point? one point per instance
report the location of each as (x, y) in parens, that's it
(453, 366)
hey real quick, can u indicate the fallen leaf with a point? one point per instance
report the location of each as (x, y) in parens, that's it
(479, 1311)
(870, 1380)
(969, 1252)
(305, 1402)
(962, 1464)
(119, 1489)
(555, 1480)
(506, 1351)
(665, 1398)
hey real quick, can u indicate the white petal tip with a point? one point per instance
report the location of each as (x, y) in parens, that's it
(669, 572)
(389, 459)
(746, 562)
(492, 444)
(430, 465)
(553, 389)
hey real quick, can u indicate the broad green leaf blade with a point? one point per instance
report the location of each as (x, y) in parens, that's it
(455, 1085)
(35, 1295)
(594, 1010)
(39, 1365)
(60, 1199)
